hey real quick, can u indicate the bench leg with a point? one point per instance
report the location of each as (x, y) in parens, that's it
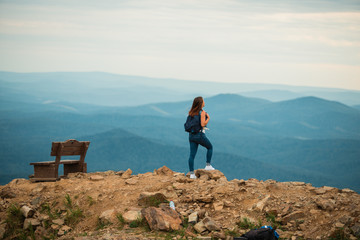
(73, 168)
(45, 173)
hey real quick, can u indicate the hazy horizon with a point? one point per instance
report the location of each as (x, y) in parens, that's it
(296, 43)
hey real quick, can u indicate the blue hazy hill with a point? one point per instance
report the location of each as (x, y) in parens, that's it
(302, 139)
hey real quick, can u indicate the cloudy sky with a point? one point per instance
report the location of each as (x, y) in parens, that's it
(307, 42)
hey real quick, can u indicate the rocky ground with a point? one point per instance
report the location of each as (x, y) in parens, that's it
(119, 205)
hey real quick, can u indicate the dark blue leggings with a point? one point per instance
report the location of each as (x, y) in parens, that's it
(195, 140)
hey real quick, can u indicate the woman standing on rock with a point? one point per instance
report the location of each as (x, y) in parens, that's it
(200, 119)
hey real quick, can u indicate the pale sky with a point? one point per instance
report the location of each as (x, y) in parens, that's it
(312, 43)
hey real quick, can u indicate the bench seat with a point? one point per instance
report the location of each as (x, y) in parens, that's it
(48, 171)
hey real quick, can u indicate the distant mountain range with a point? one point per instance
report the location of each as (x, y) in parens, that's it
(303, 139)
(99, 88)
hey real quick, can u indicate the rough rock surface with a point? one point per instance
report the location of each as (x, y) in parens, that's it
(94, 206)
(164, 218)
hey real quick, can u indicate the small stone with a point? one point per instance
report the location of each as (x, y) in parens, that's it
(219, 235)
(210, 224)
(58, 221)
(26, 211)
(131, 181)
(293, 216)
(132, 215)
(193, 218)
(35, 201)
(108, 216)
(261, 204)
(126, 174)
(200, 227)
(164, 171)
(31, 222)
(120, 173)
(64, 230)
(218, 206)
(96, 178)
(339, 225)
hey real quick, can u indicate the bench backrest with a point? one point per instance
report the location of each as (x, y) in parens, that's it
(70, 147)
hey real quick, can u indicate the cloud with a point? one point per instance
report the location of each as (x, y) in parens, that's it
(162, 38)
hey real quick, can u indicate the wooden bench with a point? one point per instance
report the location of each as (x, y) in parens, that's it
(48, 171)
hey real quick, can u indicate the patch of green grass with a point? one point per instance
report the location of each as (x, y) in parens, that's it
(68, 201)
(154, 201)
(50, 210)
(245, 223)
(101, 225)
(73, 214)
(140, 222)
(232, 233)
(121, 220)
(90, 200)
(14, 220)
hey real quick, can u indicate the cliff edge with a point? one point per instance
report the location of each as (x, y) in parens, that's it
(119, 205)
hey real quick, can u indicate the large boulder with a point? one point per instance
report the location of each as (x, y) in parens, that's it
(163, 219)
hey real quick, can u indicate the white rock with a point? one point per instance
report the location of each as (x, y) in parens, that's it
(27, 212)
(193, 218)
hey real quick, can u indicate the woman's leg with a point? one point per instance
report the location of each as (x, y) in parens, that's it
(193, 149)
(204, 141)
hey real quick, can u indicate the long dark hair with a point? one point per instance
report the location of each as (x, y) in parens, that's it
(196, 106)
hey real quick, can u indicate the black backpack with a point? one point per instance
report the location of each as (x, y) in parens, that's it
(259, 234)
(192, 124)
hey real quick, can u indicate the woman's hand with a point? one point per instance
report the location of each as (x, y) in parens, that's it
(205, 117)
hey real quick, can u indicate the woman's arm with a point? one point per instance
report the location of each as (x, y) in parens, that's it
(205, 118)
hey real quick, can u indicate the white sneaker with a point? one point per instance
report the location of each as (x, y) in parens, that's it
(209, 168)
(192, 176)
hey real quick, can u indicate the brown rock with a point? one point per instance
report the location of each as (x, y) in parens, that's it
(218, 235)
(132, 215)
(31, 221)
(210, 224)
(215, 174)
(193, 218)
(131, 181)
(259, 206)
(164, 219)
(200, 227)
(164, 171)
(326, 204)
(293, 216)
(58, 221)
(7, 193)
(64, 230)
(218, 206)
(126, 174)
(96, 178)
(108, 216)
(147, 199)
